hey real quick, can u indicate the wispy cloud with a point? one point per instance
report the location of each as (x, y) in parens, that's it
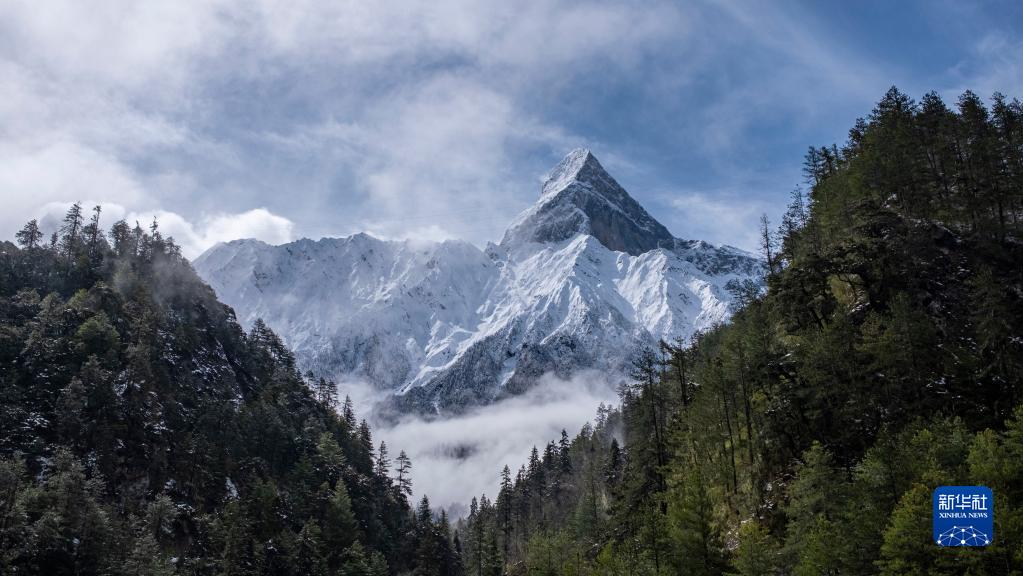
(992, 66)
(464, 455)
(721, 217)
(434, 119)
(350, 115)
(192, 236)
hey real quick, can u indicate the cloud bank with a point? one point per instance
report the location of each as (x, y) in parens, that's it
(194, 237)
(456, 458)
(435, 119)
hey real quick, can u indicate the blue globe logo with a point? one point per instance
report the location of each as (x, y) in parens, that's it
(963, 536)
(963, 516)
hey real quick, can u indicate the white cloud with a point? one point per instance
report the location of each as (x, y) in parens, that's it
(454, 459)
(377, 115)
(536, 36)
(258, 223)
(43, 182)
(722, 217)
(194, 238)
(445, 146)
(32, 181)
(992, 67)
(407, 106)
(423, 118)
(130, 45)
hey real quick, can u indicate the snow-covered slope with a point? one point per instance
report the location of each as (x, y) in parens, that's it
(580, 197)
(583, 279)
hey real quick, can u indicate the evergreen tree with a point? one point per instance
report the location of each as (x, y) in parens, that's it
(404, 475)
(429, 554)
(139, 424)
(30, 236)
(814, 496)
(70, 231)
(340, 528)
(757, 553)
(382, 467)
(699, 549)
(877, 361)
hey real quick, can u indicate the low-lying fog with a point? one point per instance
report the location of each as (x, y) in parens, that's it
(457, 458)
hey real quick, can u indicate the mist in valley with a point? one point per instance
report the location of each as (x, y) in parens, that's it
(458, 457)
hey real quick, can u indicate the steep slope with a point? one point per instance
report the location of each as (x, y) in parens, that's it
(580, 197)
(358, 306)
(142, 432)
(887, 345)
(583, 279)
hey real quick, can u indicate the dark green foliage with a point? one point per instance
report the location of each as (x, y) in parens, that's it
(807, 435)
(142, 432)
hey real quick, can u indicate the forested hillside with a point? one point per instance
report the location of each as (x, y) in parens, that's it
(884, 359)
(143, 433)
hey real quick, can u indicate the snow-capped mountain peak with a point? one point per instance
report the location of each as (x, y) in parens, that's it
(583, 279)
(580, 197)
(579, 164)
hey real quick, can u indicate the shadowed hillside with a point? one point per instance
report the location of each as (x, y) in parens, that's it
(142, 432)
(806, 436)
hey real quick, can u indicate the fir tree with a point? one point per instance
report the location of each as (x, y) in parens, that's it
(404, 474)
(30, 236)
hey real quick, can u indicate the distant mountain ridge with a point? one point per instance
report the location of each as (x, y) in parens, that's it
(583, 279)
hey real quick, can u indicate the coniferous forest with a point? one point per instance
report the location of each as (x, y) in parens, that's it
(142, 431)
(805, 437)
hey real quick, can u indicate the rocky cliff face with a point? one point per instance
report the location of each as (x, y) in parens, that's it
(580, 197)
(583, 279)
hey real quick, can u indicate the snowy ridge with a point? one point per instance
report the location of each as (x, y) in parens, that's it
(446, 325)
(565, 172)
(580, 197)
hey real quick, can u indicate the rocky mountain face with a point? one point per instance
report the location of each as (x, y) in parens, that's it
(584, 279)
(580, 197)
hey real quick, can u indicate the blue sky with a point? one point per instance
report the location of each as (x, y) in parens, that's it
(281, 119)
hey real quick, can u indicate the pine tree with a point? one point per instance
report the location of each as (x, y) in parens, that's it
(493, 564)
(366, 437)
(146, 557)
(382, 467)
(908, 548)
(232, 467)
(340, 527)
(564, 455)
(767, 245)
(814, 495)
(348, 411)
(504, 508)
(757, 553)
(121, 235)
(329, 457)
(404, 474)
(355, 562)
(312, 555)
(15, 535)
(429, 553)
(71, 411)
(30, 236)
(823, 552)
(70, 231)
(692, 526)
(93, 235)
(326, 392)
